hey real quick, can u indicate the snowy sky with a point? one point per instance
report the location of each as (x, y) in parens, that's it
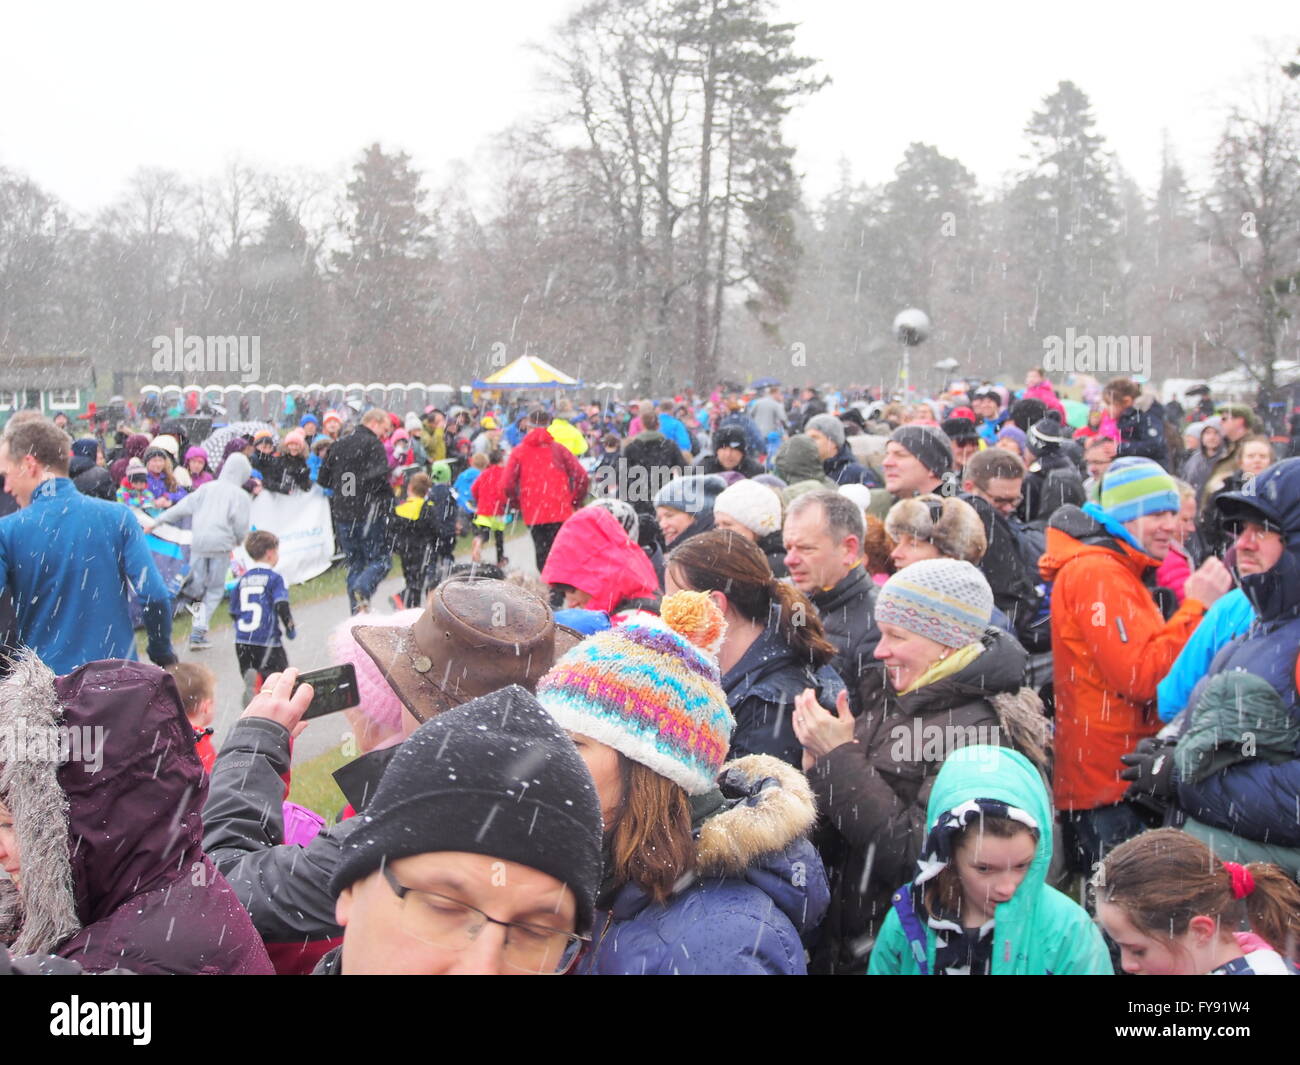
(92, 91)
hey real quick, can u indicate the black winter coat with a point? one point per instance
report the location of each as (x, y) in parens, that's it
(848, 613)
(356, 471)
(873, 792)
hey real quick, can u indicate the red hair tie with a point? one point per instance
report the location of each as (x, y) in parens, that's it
(1242, 882)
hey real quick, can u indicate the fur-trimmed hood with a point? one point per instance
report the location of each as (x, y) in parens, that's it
(112, 815)
(756, 894)
(769, 805)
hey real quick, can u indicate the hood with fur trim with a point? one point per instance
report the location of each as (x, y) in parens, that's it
(756, 894)
(113, 813)
(107, 802)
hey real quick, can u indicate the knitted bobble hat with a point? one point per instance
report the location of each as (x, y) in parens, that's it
(755, 506)
(651, 689)
(943, 599)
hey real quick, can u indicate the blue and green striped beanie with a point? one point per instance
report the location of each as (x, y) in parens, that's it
(1134, 487)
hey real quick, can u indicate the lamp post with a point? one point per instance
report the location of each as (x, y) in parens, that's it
(911, 327)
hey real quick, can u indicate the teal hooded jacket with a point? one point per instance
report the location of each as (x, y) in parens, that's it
(1039, 931)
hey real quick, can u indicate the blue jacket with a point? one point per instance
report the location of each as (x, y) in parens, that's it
(68, 560)
(989, 429)
(757, 890)
(676, 432)
(755, 444)
(1229, 617)
(1255, 799)
(760, 691)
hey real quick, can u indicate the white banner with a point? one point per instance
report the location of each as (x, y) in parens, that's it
(302, 522)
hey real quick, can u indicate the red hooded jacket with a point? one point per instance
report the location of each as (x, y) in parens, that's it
(544, 480)
(593, 552)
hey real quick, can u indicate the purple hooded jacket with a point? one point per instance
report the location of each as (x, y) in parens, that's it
(112, 871)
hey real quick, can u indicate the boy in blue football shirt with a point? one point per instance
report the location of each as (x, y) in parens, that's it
(260, 605)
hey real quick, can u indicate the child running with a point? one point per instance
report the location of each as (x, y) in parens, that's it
(259, 603)
(1174, 909)
(980, 904)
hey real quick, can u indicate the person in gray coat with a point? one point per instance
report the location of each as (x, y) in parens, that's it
(221, 513)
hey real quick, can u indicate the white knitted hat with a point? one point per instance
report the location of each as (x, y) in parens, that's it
(755, 506)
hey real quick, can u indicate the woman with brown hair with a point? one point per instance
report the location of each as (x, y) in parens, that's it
(775, 645)
(708, 868)
(1174, 909)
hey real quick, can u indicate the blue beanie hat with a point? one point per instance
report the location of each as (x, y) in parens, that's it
(302, 424)
(691, 495)
(1134, 487)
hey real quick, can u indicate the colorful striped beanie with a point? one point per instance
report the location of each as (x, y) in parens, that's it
(1134, 487)
(943, 599)
(650, 689)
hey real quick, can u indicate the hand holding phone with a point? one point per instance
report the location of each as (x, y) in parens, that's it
(334, 688)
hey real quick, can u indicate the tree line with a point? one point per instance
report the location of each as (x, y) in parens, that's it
(648, 226)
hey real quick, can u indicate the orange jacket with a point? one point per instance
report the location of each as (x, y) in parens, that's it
(1110, 648)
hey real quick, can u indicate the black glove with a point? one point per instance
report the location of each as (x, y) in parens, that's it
(1151, 770)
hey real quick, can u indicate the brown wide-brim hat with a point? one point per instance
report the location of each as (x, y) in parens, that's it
(476, 636)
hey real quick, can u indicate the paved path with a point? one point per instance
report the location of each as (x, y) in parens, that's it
(310, 650)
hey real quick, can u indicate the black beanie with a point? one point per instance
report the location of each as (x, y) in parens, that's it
(1046, 435)
(494, 776)
(929, 444)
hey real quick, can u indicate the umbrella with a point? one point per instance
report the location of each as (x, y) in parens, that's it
(216, 443)
(765, 382)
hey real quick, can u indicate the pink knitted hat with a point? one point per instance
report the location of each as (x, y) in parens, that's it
(378, 700)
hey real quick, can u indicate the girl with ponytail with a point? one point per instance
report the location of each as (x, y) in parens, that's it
(1174, 909)
(775, 646)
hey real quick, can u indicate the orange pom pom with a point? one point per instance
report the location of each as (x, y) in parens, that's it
(696, 618)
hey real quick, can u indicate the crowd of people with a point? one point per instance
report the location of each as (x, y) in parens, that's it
(1002, 681)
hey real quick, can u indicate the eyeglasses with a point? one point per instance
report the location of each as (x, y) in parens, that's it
(444, 922)
(1006, 501)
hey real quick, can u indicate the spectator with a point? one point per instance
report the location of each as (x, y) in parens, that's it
(1111, 645)
(823, 540)
(355, 471)
(437, 847)
(197, 686)
(287, 888)
(221, 513)
(987, 405)
(1175, 909)
(729, 454)
(918, 459)
(646, 710)
(69, 560)
(827, 432)
(684, 507)
(545, 483)
(595, 565)
(1140, 418)
(1254, 799)
(979, 904)
(104, 850)
(753, 511)
(767, 656)
(948, 680)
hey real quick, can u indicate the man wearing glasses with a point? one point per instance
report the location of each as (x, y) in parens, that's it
(481, 851)
(1254, 800)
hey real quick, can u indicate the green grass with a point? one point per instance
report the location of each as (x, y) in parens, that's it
(312, 786)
